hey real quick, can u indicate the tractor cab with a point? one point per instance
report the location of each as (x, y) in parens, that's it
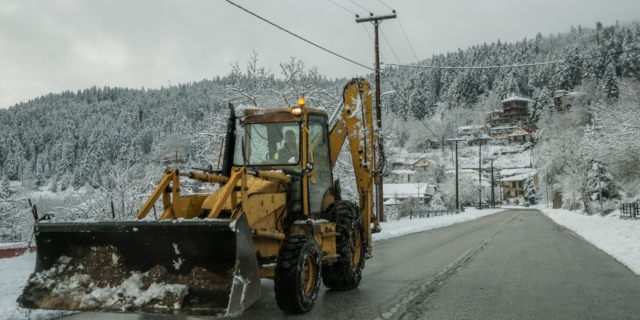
(294, 140)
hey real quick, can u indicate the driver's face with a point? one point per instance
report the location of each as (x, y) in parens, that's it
(290, 138)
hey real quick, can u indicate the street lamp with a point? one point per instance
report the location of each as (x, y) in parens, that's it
(456, 141)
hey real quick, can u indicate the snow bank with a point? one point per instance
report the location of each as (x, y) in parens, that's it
(14, 273)
(394, 229)
(616, 237)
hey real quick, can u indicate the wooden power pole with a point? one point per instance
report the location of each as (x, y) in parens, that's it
(376, 20)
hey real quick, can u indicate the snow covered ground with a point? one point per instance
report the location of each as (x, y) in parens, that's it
(403, 227)
(14, 272)
(617, 237)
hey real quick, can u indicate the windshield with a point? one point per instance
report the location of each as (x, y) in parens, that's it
(267, 144)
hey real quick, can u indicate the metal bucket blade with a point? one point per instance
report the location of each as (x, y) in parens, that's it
(203, 266)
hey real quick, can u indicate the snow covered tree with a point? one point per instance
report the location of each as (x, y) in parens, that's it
(5, 189)
(610, 81)
(530, 191)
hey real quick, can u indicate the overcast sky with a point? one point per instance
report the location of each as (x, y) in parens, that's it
(50, 46)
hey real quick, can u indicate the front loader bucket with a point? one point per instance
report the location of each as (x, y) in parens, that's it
(194, 267)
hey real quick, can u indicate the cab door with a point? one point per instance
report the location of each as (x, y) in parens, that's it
(320, 183)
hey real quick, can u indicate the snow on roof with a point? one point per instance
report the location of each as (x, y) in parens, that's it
(391, 201)
(415, 164)
(470, 127)
(403, 190)
(452, 171)
(516, 98)
(483, 183)
(482, 136)
(519, 177)
(510, 172)
(403, 171)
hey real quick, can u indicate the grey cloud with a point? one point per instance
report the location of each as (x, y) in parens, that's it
(50, 46)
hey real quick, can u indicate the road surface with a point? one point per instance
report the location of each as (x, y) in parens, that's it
(516, 264)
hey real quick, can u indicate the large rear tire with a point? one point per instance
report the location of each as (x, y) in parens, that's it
(346, 273)
(297, 274)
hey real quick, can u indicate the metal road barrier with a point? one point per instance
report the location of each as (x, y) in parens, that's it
(630, 209)
(432, 213)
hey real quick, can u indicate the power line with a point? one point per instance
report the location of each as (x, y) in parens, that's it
(363, 8)
(385, 39)
(370, 37)
(385, 4)
(299, 37)
(514, 65)
(408, 104)
(409, 42)
(343, 7)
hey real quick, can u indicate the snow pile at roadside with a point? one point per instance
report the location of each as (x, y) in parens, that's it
(403, 227)
(616, 237)
(14, 273)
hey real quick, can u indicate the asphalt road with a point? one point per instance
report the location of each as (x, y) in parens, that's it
(517, 264)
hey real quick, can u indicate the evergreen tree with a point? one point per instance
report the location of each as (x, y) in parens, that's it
(54, 183)
(610, 81)
(530, 191)
(5, 189)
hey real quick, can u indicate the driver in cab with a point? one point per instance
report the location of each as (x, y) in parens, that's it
(289, 151)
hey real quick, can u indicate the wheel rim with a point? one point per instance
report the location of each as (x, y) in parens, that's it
(309, 274)
(355, 244)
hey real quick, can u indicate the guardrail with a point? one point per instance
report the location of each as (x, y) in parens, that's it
(432, 213)
(630, 209)
(11, 250)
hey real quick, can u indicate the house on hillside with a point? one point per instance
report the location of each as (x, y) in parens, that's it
(421, 165)
(515, 109)
(173, 158)
(513, 181)
(469, 131)
(403, 175)
(564, 100)
(521, 136)
(481, 139)
(501, 132)
(404, 191)
(493, 117)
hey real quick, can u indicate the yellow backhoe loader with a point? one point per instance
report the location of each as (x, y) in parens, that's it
(277, 214)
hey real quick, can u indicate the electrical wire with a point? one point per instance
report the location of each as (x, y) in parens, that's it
(407, 103)
(385, 39)
(299, 37)
(385, 4)
(343, 7)
(363, 8)
(409, 42)
(514, 65)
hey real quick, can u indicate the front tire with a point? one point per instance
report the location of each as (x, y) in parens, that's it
(346, 273)
(297, 274)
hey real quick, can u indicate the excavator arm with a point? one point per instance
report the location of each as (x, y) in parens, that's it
(357, 124)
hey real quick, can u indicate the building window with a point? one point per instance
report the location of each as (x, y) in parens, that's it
(513, 184)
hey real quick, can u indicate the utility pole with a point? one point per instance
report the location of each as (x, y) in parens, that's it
(493, 199)
(376, 20)
(456, 141)
(600, 191)
(480, 175)
(547, 187)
